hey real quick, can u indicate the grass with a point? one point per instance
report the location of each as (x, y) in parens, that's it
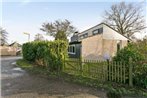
(35, 69)
(31, 67)
(85, 81)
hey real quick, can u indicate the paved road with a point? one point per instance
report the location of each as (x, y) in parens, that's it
(17, 83)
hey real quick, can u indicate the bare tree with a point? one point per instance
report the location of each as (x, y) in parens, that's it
(3, 36)
(127, 19)
(38, 37)
(59, 29)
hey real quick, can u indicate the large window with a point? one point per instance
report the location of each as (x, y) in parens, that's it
(97, 31)
(71, 49)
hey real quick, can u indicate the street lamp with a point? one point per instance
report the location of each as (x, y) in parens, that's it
(28, 35)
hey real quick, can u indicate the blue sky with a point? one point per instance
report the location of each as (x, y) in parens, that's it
(20, 16)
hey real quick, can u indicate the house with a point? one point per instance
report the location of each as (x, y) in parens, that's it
(17, 46)
(96, 43)
(10, 50)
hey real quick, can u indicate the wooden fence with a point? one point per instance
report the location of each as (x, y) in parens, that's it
(101, 70)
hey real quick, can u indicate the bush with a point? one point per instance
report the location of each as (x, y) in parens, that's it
(130, 51)
(46, 53)
(137, 53)
(140, 77)
(114, 93)
(28, 51)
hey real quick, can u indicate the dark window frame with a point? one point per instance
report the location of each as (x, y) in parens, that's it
(99, 31)
(72, 49)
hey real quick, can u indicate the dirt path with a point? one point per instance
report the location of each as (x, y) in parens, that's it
(16, 83)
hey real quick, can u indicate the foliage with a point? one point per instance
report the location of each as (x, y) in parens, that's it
(140, 77)
(142, 47)
(38, 37)
(46, 53)
(60, 30)
(136, 51)
(29, 51)
(3, 36)
(113, 94)
(129, 52)
(126, 18)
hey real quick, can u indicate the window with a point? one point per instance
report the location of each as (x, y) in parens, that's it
(100, 30)
(118, 45)
(71, 49)
(84, 35)
(97, 31)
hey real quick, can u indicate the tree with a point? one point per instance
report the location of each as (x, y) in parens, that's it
(38, 37)
(3, 36)
(126, 19)
(60, 30)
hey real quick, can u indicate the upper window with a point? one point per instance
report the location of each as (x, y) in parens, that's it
(100, 30)
(97, 31)
(84, 35)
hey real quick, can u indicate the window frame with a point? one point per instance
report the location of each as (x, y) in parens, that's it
(99, 31)
(94, 31)
(71, 48)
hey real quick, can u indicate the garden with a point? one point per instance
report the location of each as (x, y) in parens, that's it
(126, 74)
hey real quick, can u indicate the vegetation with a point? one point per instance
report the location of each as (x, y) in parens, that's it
(130, 51)
(3, 36)
(112, 88)
(127, 19)
(38, 37)
(136, 51)
(60, 30)
(44, 53)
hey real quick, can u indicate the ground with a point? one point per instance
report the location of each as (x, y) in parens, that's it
(17, 83)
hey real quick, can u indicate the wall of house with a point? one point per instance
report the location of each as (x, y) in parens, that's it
(92, 47)
(6, 51)
(110, 47)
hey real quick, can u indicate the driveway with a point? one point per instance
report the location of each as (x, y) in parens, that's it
(17, 83)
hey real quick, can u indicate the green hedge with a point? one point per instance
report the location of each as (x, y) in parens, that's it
(45, 53)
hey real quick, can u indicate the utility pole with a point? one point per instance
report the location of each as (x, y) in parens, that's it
(28, 35)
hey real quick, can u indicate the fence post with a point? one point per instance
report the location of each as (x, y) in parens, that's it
(63, 63)
(81, 66)
(108, 69)
(130, 72)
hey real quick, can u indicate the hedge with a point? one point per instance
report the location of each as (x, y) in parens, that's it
(45, 53)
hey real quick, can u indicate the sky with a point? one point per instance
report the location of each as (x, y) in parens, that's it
(18, 16)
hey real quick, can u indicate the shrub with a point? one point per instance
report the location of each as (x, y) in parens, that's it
(46, 53)
(137, 53)
(140, 77)
(28, 51)
(130, 51)
(114, 93)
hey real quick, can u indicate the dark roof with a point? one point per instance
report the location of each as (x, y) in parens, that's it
(14, 43)
(75, 42)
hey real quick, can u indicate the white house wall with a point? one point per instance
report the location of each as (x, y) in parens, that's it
(111, 34)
